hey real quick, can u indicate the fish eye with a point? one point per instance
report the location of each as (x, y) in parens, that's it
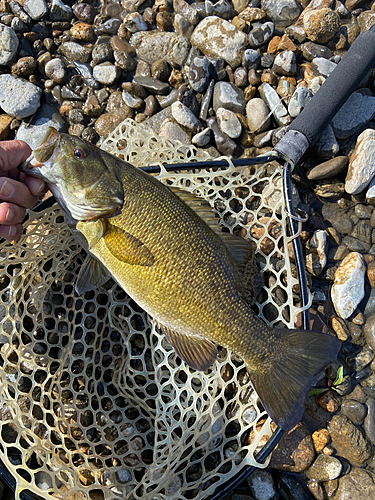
(79, 153)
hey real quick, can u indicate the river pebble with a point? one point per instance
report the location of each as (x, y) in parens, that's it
(227, 95)
(152, 46)
(261, 485)
(55, 70)
(357, 111)
(349, 441)
(18, 97)
(298, 101)
(324, 468)
(217, 37)
(228, 123)
(258, 115)
(356, 485)
(348, 287)
(199, 73)
(361, 168)
(8, 45)
(354, 410)
(328, 169)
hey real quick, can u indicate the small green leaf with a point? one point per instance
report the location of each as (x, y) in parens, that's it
(315, 391)
(340, 376)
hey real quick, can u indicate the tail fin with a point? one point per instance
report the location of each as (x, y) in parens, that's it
(283, 389)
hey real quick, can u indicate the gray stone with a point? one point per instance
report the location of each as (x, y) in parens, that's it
(224, 144)
(18, 97)
(369, 423)
(273, 101)
(60, 11)
(85, 70)
(316, 259)
(199, 73)
(134, 22)
(206, 100)
(182, 26)
(55, 70)
(202, 138)
(101, 52)
(220, 9)
(8, 45)
(354, 410)
(33, 133)
(322, 67)
(261, 485)
(187, 11)
(106, 73)
(154, 45)
(216, 37)
(171, 130)
(298, 101)
(370, 194)
(228, 123)
(109, 27)
(153, 85)
(74, 51)
(357, 111)
(36, 9)
(327, 145)
(348, 288)
(257, 114)
(260, 34)
(282, 12)
(362, 163)
(325, 468)
(310, 50)
(328, 169)
(156, 120)
(185, 117)
(124, 60)
(251, 59)
(227, 95)
(285, 63)
(167, 100)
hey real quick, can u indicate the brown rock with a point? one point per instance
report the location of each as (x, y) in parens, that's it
(270, 78)
(118, 43)
(349, 441)
(164, 20)
(354, 4)
(107, 123)
(287, 44)
(321, 25)
(251, 14)
(339, 326)
(65, 107)
(5, 122)
(357, 484)
(320, 439)
(92, 107)
(295, 451)
(366, 20)
(329, 168)
(24, 67)
(273, 45)
(176, 79)
(84, 12)
(315, 488)
(83, 32)
(371, 274)
(329, 400)
(151, 105)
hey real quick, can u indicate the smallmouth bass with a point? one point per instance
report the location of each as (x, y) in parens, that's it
(164, 248)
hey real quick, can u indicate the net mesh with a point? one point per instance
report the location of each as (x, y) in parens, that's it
(95, 404)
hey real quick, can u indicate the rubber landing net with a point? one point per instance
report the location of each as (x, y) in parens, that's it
(94, 402)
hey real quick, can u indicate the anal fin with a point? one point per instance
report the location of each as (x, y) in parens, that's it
(91, 276)
(198, 352)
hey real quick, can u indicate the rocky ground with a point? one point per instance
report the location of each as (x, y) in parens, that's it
(209, 73)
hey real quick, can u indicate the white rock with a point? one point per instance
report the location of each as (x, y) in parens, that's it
(317, 259)
(202, 138)
(228, 123)
(217, 37)
(370, 195)
(257, 114)
(106, 73)
(35, 8)
(132, 102)
(185, 117)
(361, 168)
(171, 130)
(18, 97)
(8, 44)
(349, 284)
(134, 22)
(261, 485)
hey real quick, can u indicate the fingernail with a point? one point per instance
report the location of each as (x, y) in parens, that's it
(12, 231)
(9, 215)
(41, 188)
(6, 188)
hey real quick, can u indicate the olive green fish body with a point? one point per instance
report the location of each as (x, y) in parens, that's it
(177, 267)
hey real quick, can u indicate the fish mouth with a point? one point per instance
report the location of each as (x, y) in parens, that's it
(43, 153)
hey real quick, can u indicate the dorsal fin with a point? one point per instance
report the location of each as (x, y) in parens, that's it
(240, 249)
(200, 206)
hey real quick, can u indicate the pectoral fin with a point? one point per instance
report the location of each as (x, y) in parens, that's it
(91, 276)
(126, 247)
(196, 351)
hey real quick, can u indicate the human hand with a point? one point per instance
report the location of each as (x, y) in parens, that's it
(17, 191)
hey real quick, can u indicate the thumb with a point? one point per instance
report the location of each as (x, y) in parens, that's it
(12, 153)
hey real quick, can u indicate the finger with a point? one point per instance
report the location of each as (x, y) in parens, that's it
(11, 214)
(36, 186)
(16, 192)
(11, 232)
(12, 153)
